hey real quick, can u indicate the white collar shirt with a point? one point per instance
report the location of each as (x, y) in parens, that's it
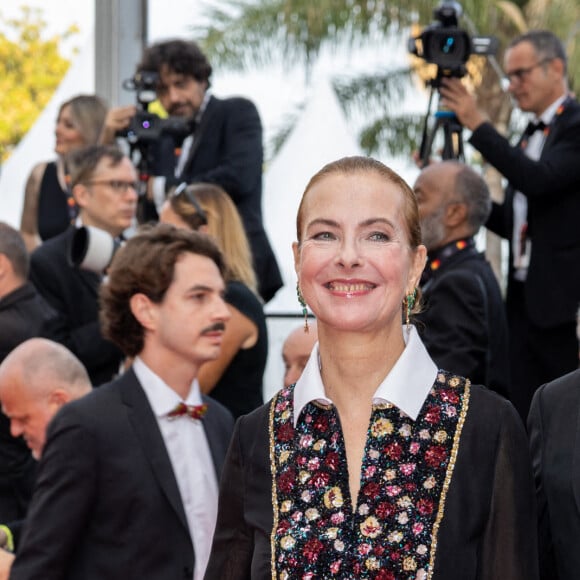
(190, 455)
(406, 386)
(521, 243)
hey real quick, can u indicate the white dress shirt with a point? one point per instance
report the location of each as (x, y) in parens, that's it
(406, 386)
(522, 248)
(190, 457)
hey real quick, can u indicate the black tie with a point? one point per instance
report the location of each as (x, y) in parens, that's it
(533, 127)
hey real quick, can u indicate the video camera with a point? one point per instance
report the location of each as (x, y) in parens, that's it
(146, 127)
(449, 47)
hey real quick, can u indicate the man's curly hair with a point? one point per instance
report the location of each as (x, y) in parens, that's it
(179, 56)
(146, 265)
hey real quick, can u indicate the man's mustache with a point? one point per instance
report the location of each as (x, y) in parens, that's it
(216, 326)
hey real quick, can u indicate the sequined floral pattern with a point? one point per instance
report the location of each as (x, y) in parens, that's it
(406, 470)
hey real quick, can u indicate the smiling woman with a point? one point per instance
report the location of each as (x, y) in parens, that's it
(365, 466)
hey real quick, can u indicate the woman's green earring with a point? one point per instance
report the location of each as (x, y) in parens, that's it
(304, 309)
(409, 305)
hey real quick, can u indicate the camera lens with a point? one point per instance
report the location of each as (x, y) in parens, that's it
(448, 45)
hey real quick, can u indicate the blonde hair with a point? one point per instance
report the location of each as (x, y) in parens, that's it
(88, 113)
(223, 224)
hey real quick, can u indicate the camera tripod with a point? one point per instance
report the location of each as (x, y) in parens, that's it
(447, 122)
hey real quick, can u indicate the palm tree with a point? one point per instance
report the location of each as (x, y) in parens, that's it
(245, 33)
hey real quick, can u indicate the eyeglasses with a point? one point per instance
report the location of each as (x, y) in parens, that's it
(521, 73)
(182, 189)
(117, 185)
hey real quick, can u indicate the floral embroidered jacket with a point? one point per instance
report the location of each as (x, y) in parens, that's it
(448, 496)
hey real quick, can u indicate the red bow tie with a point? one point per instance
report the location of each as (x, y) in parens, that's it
(191, 411)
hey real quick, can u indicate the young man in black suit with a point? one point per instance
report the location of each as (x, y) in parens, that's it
(127, 484)
(225, 146)
(539, 214)
(103, 182)
(463, 323)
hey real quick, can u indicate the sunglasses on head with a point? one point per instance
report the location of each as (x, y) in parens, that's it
(181, 189)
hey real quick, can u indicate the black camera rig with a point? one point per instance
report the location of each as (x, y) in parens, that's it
(150, 135)
(449, 47)
(146, 127)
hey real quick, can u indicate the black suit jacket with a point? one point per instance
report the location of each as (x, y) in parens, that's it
(227, 150)
(552, 187)
(107, 504)
(554, 428)
(463, 322)
(73, 293)
(24, 314)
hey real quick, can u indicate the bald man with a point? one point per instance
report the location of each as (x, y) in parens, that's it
(36, 379)
(296, 351)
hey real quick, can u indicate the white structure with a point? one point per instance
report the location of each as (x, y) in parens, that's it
(320, 136)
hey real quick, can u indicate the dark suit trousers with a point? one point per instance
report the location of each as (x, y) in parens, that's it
(537, 355)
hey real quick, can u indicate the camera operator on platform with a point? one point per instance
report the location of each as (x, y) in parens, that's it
(224, 148)
(540, 211)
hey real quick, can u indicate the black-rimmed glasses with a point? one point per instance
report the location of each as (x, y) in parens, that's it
(521, 73)
(117, 185)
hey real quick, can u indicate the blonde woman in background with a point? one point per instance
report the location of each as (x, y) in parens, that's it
(235, 377)
(48, 206)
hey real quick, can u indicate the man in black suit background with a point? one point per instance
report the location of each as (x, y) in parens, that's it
(554, 428)
(540, 212)
(23, 314)
(36, 379)
(463, 322)
(127, 483)
(103, 182)
(225, 147)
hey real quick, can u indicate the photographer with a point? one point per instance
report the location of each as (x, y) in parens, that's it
(225, 146)
(540, 211)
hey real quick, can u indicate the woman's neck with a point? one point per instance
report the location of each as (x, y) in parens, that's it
(353, 366)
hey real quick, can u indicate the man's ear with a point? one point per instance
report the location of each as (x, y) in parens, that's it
(4, 264)
(455, 214)
(81, 194)
(144, 311)
(59, 397)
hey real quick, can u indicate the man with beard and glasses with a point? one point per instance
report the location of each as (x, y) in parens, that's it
(224, 148)
(463, 322)
(128, 480)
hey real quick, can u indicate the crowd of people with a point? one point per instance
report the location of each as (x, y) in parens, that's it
(425, 427)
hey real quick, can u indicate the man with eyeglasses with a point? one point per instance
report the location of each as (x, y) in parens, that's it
(540, 211)
(103, 183)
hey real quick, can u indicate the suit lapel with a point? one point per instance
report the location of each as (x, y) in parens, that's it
(198, 134)
(214, 435)
(576, 453)
(145, 425)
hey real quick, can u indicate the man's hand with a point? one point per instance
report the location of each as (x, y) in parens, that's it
(117, 119)
(6, 559)
(456, 98)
